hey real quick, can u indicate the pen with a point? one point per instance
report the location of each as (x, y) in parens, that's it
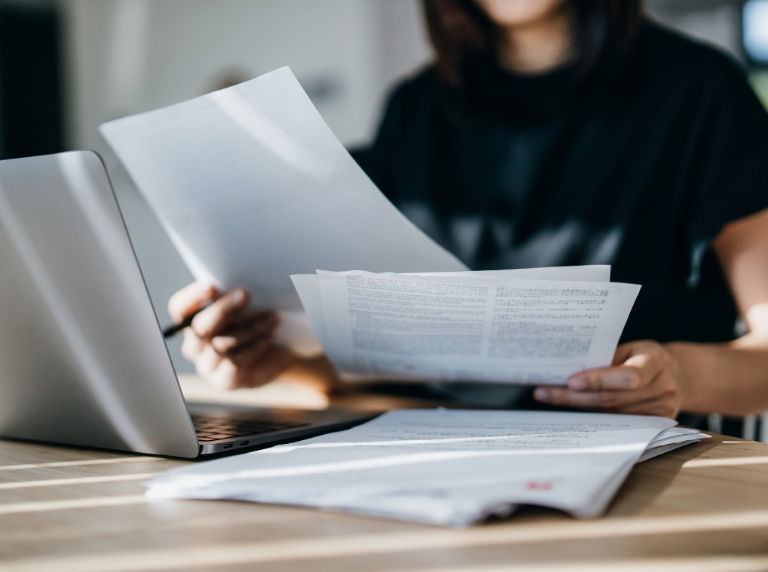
(174, 329)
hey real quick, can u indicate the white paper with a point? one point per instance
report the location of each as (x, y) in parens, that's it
(586, 273)
(485, 327)
(446, 467)
(252, 186)
(308, 286)
(671, 439)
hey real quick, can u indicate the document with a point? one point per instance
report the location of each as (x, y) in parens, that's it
(445, 467)
(537, 326)
(253, 186)
(669, 440)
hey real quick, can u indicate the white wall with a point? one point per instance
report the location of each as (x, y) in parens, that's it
(714, 21)
(127, 56)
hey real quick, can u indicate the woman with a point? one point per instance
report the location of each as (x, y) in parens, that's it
(556, 132)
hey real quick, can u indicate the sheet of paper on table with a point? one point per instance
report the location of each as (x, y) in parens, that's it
(252, 186)
(444, 467)
(531, 326)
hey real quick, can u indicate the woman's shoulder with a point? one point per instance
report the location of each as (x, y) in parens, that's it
(681, 59)
(403, 125)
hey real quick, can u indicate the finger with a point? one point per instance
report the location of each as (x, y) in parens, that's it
(579, 399)
(207, 362)
(249, 357)
(661, 407)
(246, 369)
(223, 376)
(190, 299)
(643, 362)
(623, 352)
(652, 360)
(603, 400)
(240, 340)
(270, 363)
(258, 322)
(216, 317)
(191, 346)
(608, 378)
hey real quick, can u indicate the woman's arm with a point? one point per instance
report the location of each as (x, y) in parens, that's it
(664, 379)
(732, 378)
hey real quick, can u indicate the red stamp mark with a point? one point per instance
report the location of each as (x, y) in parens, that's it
(539, 485)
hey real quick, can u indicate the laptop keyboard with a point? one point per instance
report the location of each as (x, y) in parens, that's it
(218, 428)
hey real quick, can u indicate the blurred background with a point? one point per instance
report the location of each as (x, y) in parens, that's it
(67, 66)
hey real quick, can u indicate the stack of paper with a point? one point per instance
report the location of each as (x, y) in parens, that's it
(445, 467)
(510, 326)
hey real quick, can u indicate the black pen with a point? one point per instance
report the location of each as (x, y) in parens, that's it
(174, 329)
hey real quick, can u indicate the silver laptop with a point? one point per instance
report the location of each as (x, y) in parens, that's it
(82, 357)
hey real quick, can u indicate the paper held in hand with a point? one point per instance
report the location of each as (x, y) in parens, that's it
(445, 467)
(253, 186)
(532, 326)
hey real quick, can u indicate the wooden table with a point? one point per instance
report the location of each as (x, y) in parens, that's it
(704, 507)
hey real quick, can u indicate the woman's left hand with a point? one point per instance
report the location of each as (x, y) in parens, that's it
(643, 380)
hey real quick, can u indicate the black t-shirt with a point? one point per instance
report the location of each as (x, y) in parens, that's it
(638, 165)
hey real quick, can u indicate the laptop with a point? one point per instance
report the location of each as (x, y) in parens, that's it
(82, 357)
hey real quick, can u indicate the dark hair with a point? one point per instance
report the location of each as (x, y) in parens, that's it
(605, 29)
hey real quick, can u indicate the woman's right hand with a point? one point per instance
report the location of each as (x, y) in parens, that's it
(230, 345)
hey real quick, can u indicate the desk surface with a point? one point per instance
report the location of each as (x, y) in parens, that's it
(704, 507)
